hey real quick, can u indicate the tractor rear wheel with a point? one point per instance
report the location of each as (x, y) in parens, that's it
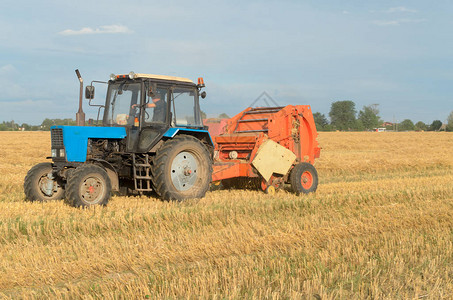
(304, 178)
(39, 187)
(88, 185)
(182, 169)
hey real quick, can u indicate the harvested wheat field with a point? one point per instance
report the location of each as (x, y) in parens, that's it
(379, 226)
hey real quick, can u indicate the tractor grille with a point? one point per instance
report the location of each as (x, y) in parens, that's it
(56, 136)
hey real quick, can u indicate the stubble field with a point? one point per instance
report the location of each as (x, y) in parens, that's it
(379, 226)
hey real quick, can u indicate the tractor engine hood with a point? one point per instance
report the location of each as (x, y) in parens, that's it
(74, 139)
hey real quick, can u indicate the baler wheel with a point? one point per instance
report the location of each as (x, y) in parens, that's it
(182, 169)
(38, 187)
(88, 185)
(273, 185)
(270, 190)
(304, 178)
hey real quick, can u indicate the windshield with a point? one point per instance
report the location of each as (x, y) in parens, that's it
(123, 103)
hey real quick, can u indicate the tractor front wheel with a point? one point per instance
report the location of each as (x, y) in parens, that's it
(41, 185)
(304, 178)
(182, 169)
(88, 185)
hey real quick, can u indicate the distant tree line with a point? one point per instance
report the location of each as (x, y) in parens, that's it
(45, 125)
(343, 116)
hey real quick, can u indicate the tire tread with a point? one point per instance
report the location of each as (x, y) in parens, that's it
(295, 177)
(31, 190)
(161, 186)
(72, 188)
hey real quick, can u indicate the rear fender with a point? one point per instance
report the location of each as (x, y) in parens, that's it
(200, 134)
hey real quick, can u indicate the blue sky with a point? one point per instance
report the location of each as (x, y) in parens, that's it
(397, 54)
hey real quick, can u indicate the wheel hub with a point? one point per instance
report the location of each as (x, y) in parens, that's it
(92, 190)
(47, 185)
(184, 171)
(307, 180)
(187, 171)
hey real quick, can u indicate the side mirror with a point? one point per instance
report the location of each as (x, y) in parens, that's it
(203, 94)
(89, 92)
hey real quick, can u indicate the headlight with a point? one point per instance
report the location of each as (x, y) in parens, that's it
(112, 77)
(131, 75)
(54, 152)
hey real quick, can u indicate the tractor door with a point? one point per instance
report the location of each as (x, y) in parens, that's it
(185, 108)
(155, 115)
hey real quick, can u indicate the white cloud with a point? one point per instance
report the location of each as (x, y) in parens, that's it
(386, 22)
(7, 70)
(400, 9)
(397, 22)
(106, 29)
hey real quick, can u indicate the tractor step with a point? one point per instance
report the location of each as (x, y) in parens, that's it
(142, 173)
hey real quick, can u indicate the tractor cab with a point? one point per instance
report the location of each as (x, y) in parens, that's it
(147, 106)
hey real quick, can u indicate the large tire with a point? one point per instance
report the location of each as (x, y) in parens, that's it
(88, 185)
(304, 178)
(36, 184)
(182, 169)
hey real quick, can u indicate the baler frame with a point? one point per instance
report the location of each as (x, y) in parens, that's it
(291, 127)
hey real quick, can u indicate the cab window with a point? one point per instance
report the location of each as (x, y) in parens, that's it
(155, 104)
(122, 104)
(184, 107)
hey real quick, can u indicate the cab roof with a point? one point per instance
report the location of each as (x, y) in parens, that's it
(163, 77)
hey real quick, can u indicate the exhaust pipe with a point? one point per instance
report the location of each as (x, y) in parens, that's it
(80, 115)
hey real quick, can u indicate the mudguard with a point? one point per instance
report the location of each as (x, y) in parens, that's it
(198, 133)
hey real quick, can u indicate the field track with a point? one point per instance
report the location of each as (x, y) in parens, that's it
(379, 226)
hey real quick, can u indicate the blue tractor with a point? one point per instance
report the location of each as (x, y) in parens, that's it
(151, 139)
